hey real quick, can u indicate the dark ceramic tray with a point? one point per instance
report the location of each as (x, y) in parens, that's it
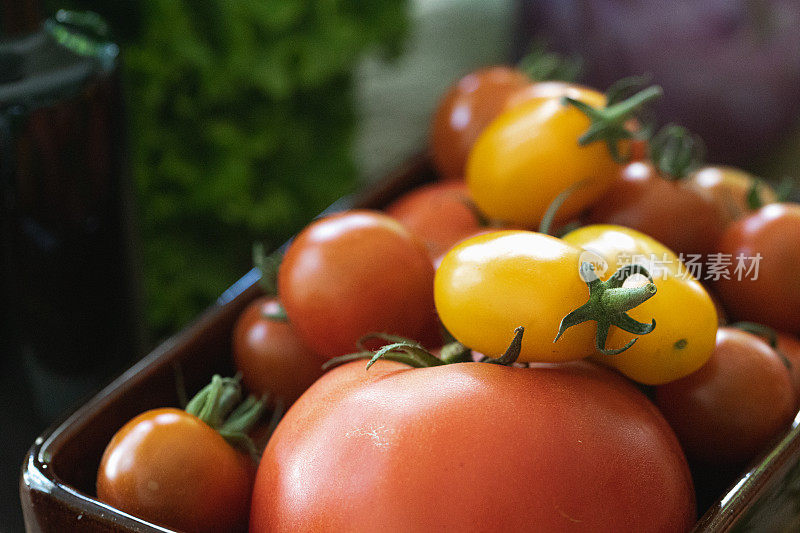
(57, 483)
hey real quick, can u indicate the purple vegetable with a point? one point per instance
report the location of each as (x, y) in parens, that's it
(730, 69)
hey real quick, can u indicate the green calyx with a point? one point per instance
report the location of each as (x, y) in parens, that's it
(219, 404)
(755, 194)
(754, 201)
(399, 349)
(626, 87)
(268, 265)
(541, 65)
(414, 355)
(609, 303)
(675, 151)
(610, 123)
(785, 189)
(546, 224)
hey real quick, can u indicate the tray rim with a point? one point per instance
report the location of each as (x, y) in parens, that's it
(35, 476)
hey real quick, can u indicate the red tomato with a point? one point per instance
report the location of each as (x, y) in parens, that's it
(722, 315)
(769, 291)
(354, 273)
(270, 356)
(472, 447)
(730, 409)
(170, 468)
(467, 108)
(789, 346)
(672, 212)
(437, 214)
(729, 188)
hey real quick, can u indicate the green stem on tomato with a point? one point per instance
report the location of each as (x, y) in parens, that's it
(608, 305)
(455, 352)
(785, 189)
(609, 123)
(219, 404)
(415, 356)
(549, 216)
(540, 65)
(626, 87)
(268, 265)
(511, 354)
(675, 152)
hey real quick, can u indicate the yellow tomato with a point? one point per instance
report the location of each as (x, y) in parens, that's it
(530, 153)
(686, 319)
(490, 284)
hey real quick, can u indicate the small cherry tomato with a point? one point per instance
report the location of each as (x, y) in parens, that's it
(354, 273)
(269, 354)
(171, 468)
(763, 254)
(537, 149)
(467, 108)
(490, 284)
(438, 215)
(730, 409)
(685, 315)
(729, 188)
(673, 212)
(472, 447)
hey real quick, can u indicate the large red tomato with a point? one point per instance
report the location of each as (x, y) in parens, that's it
(354, 273)
(269, 354)
(472, 447)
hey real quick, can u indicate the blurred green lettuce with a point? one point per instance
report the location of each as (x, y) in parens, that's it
(241, 124)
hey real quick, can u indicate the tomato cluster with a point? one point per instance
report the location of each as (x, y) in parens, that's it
(516, 380)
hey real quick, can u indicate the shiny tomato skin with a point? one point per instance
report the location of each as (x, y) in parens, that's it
(472, 447)
(685, 315)
(773, 297)
(437, 214)
(553, 89)
(466, 109)
(488, 285)
(789, 347)
(557, 89)
(354, 273)
(530, 153)
(270, 355)
(729, 187)
(729, 410)
(683, 218)
(169, 467)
